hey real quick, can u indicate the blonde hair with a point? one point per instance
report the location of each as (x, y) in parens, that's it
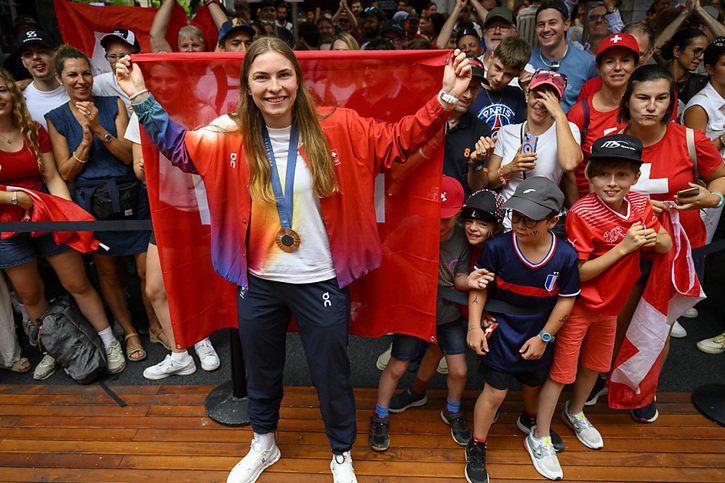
(21, 117)
(249, 118)
(348, 39)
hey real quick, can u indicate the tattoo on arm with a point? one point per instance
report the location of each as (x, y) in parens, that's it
(563, 319)
(475, 300)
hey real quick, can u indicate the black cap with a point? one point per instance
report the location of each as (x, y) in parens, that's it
(484, 205)
(467, 29)
(536, 197)
(395, 27)
(617, 147)
(476, 67)
(556, 5)
(125, 36)
(33, 36)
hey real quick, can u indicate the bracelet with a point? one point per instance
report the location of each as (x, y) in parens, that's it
(77, 158)
(722, 199)
(143, 91)
(501, 177)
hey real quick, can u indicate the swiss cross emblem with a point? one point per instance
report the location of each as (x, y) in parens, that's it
(335, 157)
(616, 39)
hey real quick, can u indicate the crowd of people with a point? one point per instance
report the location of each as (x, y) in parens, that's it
(572, 140)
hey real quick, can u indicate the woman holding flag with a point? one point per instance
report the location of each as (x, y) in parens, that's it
(672, 165)
(285, 183)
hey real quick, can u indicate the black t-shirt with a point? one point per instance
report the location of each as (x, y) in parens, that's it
(694, 84)
(460, 143)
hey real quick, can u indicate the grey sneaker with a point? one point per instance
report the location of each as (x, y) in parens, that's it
(116, 362)
(584, 431)
(169, 367)
(379, 435)
(543, 457)
(207, 355)
(45, 368)
(406, 400)
(526, 424)
(459, 427)
(251, 466)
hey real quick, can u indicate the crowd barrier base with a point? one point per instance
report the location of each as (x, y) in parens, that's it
(227, 403)
(710, 401)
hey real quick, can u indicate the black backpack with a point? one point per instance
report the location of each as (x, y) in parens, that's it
(69, 338)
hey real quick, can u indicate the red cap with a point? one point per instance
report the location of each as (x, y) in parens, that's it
(452, 196)
(621, 40)
(557, 80)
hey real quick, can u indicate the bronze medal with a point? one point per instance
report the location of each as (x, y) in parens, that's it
(287, 240)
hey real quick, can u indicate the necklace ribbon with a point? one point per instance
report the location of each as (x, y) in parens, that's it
(287, 239)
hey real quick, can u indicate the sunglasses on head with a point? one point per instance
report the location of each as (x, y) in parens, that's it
(559, 79)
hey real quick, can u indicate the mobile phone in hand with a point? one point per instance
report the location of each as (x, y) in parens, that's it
(686, 193)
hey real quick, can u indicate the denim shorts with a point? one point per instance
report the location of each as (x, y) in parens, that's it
(23, 248)
(451, 339)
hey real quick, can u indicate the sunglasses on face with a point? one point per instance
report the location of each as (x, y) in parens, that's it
(596, 17)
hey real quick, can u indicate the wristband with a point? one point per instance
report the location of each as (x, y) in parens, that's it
(501, 177)
(142, 91)
(447, 98)
(722, 199)
(77, 158)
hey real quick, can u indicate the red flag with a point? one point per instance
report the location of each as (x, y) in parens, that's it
(672, 288)
(399, 296)
(83, 25)
(48, 207)
(204, 22)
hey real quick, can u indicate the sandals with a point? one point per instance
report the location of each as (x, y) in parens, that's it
(21, 366)
(134, 350)
(159, 338)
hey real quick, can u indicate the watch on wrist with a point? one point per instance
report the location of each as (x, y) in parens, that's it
(447, 98)
(107, 137)
(546, 336)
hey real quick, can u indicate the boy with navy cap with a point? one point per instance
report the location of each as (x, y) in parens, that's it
(609, 229)
(535, 285)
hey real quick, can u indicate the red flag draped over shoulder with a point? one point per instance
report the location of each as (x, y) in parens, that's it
(399, 296)
(83, 25)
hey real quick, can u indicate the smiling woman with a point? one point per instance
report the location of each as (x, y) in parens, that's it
(288, 226)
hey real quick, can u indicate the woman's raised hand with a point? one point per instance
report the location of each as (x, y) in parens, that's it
(130, 78)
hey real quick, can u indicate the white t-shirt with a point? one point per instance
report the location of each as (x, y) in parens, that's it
(547, 162)
(105, 85)
(312, 261)
(42, 102)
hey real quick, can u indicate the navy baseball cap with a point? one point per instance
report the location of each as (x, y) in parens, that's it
(235, 25)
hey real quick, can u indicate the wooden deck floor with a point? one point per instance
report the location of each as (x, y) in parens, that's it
(76, 433)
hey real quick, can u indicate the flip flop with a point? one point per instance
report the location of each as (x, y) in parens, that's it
(132, 350)
(155, 338)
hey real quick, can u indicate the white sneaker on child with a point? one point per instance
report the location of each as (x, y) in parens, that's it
(170, 367)
(584, 431)
(207, 355)
(254, 463)
(342, 470)
(115, 361)
(543, 456)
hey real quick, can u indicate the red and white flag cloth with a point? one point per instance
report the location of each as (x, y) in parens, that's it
(672, 288)
(48, 207)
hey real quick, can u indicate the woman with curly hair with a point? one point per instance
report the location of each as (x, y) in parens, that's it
(26, 161)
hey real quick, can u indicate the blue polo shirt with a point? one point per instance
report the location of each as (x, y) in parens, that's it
(578, 65)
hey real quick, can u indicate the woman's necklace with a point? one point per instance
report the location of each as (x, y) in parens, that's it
(7, 139)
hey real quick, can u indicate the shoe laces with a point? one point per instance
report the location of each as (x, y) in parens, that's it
(204, 348)
(580, 420)
(545, 449)
(477, 454)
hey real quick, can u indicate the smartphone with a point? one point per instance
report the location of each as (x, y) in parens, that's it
(528, 144)
(489, 330)
(688, 192)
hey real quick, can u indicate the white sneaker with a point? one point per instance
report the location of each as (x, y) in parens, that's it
(442, 366)
(713, 345)
(341, 467)
(251, 466)
(543, 456)
(583, 429)
(116, 362)
(678, 332)
(691, 313)
(170, 367)
(45, 368)
(384, 358)
(207, 355)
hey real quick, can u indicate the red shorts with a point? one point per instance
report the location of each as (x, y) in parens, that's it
(586, 338)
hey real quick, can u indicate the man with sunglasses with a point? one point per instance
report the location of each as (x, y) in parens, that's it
(118, 43)
(559, 55)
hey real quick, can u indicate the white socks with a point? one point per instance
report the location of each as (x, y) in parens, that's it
(264, 441)
(179, 356)
(106, 336)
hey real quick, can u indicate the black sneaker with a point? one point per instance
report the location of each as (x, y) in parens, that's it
(378, 436)
(476, 463)
(599, 390)
(459, 427)
(526, 424)
(406, 400)
(646, 414)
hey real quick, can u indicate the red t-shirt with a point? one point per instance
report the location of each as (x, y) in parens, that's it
(600, 124)
(667, 169)
(21, 169)
(593, 229)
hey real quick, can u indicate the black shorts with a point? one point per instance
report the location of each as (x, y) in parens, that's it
(502, 380)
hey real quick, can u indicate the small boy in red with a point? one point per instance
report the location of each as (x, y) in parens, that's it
(608, 228)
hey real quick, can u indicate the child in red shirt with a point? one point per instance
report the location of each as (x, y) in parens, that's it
(608, 228)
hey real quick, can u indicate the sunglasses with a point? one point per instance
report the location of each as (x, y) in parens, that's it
(557, 78)
(596, 17)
